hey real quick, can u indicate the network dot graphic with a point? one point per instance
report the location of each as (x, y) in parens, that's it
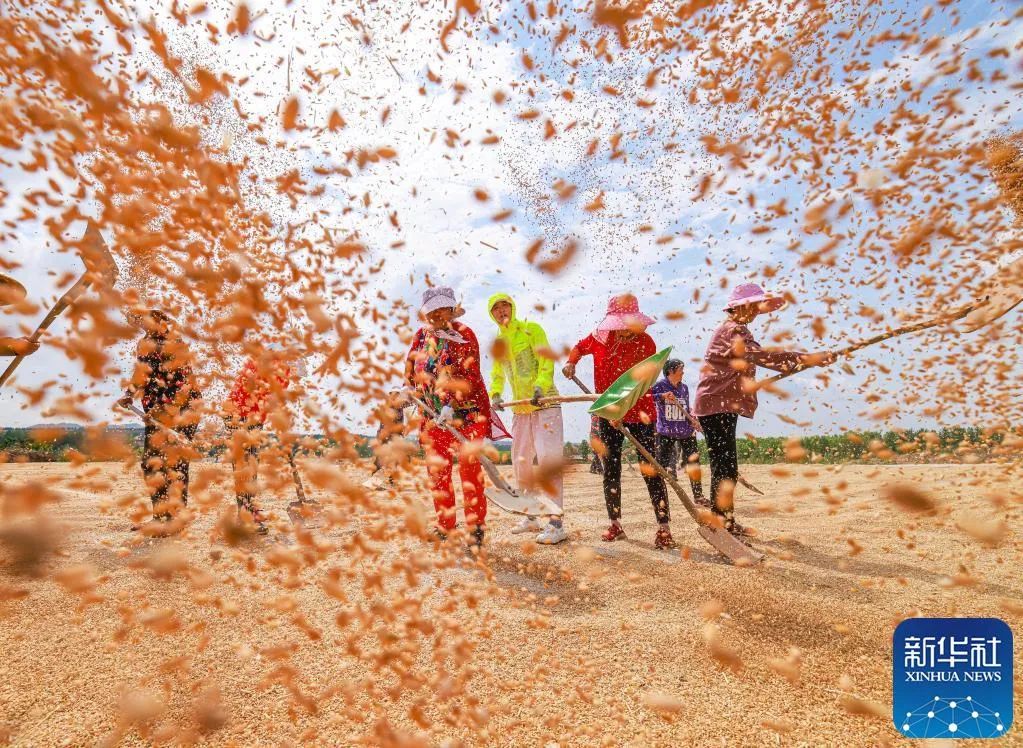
(965, 718)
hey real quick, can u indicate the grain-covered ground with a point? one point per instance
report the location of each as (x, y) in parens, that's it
(580, 644)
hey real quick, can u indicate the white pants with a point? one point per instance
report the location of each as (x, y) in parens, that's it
(540, 434)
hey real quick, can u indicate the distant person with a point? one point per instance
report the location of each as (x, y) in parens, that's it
(163, 378)
(729, 368)
(537, 430)
(258, 390)
(12, 292)
(619, 343)
(443, 369)
(677, 427)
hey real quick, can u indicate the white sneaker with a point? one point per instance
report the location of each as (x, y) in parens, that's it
(552, 535)
(528, 524)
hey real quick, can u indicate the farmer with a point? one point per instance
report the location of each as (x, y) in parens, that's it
(443, 369)
(257, 392)
(677, 427)
(163, 375)
(724, 393)
(537, 430)
(12, 292)
(618, 343)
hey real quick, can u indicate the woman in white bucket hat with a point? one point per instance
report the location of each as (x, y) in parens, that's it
(443, 366)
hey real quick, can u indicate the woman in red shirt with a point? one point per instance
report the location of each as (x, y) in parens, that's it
(619, 343)
(443, 366)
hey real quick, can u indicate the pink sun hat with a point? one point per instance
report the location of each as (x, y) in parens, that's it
(751, 293)
(622, 314)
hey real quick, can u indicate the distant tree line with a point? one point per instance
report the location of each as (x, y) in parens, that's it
(951, 444)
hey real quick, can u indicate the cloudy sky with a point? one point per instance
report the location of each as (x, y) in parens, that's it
(385, 72)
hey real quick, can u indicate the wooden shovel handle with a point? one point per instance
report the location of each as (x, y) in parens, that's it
(553, 400)
(165, 429)
(580, 385)
(686, 501)
(66, 300)
(881, 337)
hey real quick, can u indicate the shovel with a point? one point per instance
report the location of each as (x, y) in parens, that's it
(554, 400)
(742, 481)
(627, 390)
(503, 495)
(99, 266)
(1001, 298)
(299, 511)
(165, 429)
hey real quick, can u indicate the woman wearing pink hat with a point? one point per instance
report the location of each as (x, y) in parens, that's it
(726, 391)
(619, 343)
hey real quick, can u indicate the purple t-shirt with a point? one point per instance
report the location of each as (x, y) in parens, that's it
(672, 417)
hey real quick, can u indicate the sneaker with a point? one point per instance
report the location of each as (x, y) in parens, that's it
(663, 540)
(438, 533)
(613, 533)
(476, 537)
(703, 502)
(552, 535)
(528, 524)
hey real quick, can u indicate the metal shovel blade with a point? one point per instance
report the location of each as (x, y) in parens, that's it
(528, 504)
(301, 512)
(728, 545)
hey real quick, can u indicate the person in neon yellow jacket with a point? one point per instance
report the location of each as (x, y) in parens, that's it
(537, 431)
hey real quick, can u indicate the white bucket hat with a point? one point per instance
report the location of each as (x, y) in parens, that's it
(439, 298)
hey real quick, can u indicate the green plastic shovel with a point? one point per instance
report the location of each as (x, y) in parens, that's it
(625, 392)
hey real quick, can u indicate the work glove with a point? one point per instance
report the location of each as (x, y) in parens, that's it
(537, 394)
(445, 415)
(497, 402)
(568, 370)
(125, 401)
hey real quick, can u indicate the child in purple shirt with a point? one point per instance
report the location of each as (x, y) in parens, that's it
(676, 426)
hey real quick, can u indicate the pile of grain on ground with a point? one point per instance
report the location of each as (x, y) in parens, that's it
(589, 643)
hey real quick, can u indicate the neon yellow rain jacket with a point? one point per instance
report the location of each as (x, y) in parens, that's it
(524, 369)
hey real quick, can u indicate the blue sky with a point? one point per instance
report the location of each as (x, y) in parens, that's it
(446, 231)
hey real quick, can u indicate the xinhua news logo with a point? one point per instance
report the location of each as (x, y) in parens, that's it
(952, 678)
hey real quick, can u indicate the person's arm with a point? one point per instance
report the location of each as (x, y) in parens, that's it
(496, 378)
(18, 346)
(689, 413)
(770, 359)
(544, 365)
(410, 368)
(583, 348)
(661, 390)
(132, 389)
(467, 365)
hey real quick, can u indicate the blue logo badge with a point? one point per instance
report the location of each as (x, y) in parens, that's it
(952, 678)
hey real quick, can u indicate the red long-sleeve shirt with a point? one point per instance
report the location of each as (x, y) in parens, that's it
(448, 373)
(253, 388)
(612, 360)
